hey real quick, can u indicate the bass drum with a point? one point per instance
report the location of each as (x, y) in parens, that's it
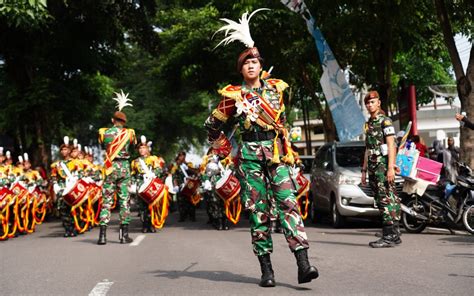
(191, 187)
(152, 191)
(228, 187)
(76, 194)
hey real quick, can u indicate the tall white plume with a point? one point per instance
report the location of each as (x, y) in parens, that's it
(122, 100)
(66, 140)
(143, 139)
(79, 147)
(238, 31)
(8, 154)
(1, 150)
(20, 159)
(25, 156)
(74, 143)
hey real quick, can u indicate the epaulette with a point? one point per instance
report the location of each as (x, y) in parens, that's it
(278, 84)
(231, 91)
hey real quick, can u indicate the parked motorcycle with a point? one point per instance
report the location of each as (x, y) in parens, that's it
(447, 204)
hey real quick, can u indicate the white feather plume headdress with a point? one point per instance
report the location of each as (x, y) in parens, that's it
(238, 31)
(122, 100)
(26, 157)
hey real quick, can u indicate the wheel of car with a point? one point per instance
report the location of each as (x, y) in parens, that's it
(337, 220)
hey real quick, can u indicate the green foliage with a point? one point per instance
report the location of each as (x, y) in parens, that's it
(25, 14)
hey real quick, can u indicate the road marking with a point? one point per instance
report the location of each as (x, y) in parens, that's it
(101, 288)
(138, 240)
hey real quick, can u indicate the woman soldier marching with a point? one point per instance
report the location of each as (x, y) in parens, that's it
(264, 156)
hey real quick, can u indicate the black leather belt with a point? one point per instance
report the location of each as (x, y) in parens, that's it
(258, 136)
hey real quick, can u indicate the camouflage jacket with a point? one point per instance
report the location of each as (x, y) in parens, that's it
(377, 129)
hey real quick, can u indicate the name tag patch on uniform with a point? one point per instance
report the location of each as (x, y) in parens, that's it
(389, 130)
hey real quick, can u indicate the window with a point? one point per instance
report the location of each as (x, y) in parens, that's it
(350, 156)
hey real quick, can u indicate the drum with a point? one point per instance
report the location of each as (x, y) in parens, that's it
(152, 191)
(301, 184)
(228, 186)
(20, 192)
(191, 187)
(4, 193)
(76, 194)
(96, 190)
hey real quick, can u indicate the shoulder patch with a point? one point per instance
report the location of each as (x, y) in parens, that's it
(279, 84)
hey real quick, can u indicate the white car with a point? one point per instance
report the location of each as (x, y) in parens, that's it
(335, 183)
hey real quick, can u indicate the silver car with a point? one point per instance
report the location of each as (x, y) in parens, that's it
(335, 183)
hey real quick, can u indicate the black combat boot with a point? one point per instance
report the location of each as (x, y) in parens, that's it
(151, 228)
(306, 272)
(225, 226)
(102, 235)
(396, 226)
(268, 278)
(144, 227)
(123, 234)
(388, 238)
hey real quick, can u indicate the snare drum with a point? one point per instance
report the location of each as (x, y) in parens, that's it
(20, 192)
(76, 194)
(152, 191)
(191, 187)
(228, 186)
(301, 184)
(4, 194)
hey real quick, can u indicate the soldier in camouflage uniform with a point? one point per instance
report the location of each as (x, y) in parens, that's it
(262, 160)
(156, 167)
(379, 162)
(116, 141)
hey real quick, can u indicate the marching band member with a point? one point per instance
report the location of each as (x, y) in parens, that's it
(216, 207)
(264, 156)
(180, 172)
(59, 175)
(146, 167)
(116, 141)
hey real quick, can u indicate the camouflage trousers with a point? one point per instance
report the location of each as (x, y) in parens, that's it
(260, 185)
(116, 183)
(385, 195)
(185, 208)
(216, 207)
(65, 213)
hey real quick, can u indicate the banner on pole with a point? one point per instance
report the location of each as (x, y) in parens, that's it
(345, 111)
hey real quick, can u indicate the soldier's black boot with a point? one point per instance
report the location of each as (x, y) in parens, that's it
(396, 226)
(306, 272)
(123, 234)
(387, 240)
(151, 228)
(268, 278)
(144, 227)
(102, 235)
(225, 226)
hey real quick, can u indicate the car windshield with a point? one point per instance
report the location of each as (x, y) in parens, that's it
(350, 156)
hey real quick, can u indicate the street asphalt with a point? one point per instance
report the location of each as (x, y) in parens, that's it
(191, 258)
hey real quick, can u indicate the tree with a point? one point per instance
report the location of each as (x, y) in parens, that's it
(457, 17)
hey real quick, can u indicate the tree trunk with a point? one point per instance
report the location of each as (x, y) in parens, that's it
(464, 83)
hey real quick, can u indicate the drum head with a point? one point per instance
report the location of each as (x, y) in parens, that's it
(224, 179)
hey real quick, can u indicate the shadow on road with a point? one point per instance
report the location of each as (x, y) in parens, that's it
(217, 276)
(465, 240)
(339, 243)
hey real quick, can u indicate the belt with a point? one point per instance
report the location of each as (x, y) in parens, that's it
(258, 136)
